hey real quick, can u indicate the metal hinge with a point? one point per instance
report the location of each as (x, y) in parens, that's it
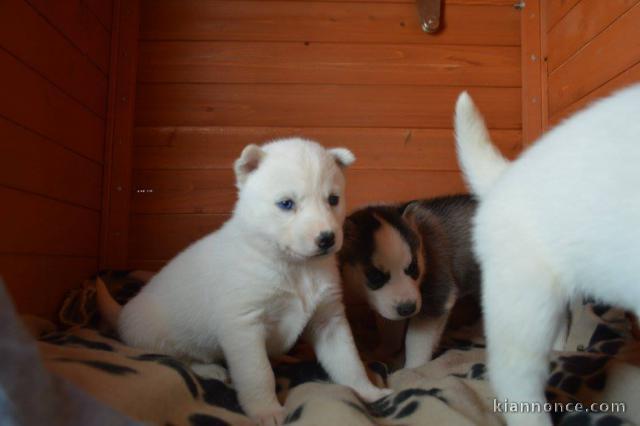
(520, 5)
(429, 13)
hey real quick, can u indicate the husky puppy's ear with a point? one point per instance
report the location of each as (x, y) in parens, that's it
(248, 161)
(343, 156)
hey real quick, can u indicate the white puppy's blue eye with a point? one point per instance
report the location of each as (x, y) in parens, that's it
(287, 204)
(333, 200)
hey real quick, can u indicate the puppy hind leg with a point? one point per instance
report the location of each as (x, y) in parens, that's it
(522, 309)
(423, 336)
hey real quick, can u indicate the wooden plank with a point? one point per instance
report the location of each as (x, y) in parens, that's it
(33, 224)
(614, 50)
(163, 236)
(117, 170)
(277, 62)
(38, 284)
(556, 9)
(218, 147)
(80, 26)
(146, 264)
(531, 72)
(213, 191)
(448, 2)
(34, 164)
(103, 9)
(586, 20)
(630, 76)
(314, 21)
(35, 103)
(317, 105)
(53, 56)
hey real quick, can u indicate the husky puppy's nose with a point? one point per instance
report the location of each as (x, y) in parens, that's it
(405, 309)
(326, 240)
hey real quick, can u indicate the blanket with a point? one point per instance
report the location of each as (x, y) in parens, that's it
(599, 366)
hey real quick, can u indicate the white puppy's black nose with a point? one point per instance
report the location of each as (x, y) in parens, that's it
(326, 240)
(405, 309)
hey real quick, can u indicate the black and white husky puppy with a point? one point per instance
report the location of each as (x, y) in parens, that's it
(411, 260)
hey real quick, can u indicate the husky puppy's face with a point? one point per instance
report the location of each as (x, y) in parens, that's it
(380, 260)
(291, 192)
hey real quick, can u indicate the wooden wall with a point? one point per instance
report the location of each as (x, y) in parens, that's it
(54, 61)
(214, 76)
(592, 48)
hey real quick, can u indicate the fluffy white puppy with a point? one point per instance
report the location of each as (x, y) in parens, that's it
(250, 289)
(562, 220)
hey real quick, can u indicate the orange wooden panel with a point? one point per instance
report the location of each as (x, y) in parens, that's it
(53, 56)
(614, 50)
(117, 169)
(35, 103)
(448, 2)
(324, 21)
(587, 19)
(34, 164)
(556, 9)
(278, 62)
(532, 64)
(630, 76)
(33, 224)
(146, 264)
(77, 23)
(38, 284)
(103, 9)
(213, 191)
(160, 237)
(218, 147)
(317, 105)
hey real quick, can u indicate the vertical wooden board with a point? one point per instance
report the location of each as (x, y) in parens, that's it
(610, 53)
(35, 103)
(385, 148)
(556, 9)
(38, 284)
(32, 224)
(118, 152)
(78, 24)
(315, 21)
(586, 20)
(29, 37)
(103, 9)
(532, 99)
(32, 163)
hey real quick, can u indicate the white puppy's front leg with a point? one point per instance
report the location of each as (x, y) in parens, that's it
(329, 332)
(251, 373)
(423, 336)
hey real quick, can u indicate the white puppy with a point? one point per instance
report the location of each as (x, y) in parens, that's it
(561, 221)
(248, 290)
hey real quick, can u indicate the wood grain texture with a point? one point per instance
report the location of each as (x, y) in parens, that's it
(532, 70)
(32, 163)
(38, 284)
(74, 19)
(53, 56)
(213, 191)
(317, 105)
(102, 9)
(35, 103)
(324, 21)
(613, 51)
(556, 9)
(328, 63)
(581, 24)
(218, 147)
(630, 76)
(31, 224)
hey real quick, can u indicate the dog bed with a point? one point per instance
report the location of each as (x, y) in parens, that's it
(601, 364)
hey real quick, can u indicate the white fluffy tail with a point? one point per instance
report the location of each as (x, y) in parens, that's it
(479, 159)
(107, 306)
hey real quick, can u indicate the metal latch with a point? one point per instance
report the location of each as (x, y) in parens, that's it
(429, 12)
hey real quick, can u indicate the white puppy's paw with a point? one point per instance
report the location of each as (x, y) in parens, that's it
(372, 393)
(272, 415)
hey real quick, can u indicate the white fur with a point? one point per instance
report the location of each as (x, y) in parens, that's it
(250, 289)
(562, 220)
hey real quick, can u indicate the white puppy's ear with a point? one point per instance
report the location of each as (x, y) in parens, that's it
(343, 156)
(249, 161)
